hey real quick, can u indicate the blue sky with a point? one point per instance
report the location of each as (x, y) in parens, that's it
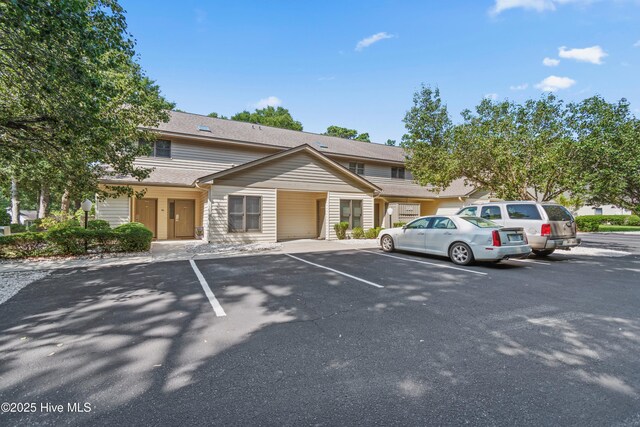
(357, 63)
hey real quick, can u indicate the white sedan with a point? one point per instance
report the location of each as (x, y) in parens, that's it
(461, 238)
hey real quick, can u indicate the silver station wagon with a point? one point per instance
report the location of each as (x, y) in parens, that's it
(462, 238)
(549, 226)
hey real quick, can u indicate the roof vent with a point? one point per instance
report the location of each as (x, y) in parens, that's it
(204, 128)
(321, 145)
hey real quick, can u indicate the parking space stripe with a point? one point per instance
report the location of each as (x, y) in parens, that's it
(217, 308)
(428, 263)
(336, 271)
(530, 261)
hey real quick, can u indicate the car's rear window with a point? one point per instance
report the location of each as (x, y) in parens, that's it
(480, 222)
(557, 213)
(524, 211)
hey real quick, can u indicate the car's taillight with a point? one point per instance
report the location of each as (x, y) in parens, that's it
(545, 230)
(495, 236)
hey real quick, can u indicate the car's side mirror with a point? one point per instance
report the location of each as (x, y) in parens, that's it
(404, 227)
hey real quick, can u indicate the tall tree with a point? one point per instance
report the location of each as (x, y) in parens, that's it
(347, 133)
(390, 142)
(515, 151)
(215, 115)
(608, 137)
(71, 92)
(276, 117)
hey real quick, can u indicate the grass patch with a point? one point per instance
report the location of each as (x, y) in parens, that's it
(605, 228)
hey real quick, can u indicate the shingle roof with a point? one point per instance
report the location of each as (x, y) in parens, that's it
(187, 124)
(162, 176)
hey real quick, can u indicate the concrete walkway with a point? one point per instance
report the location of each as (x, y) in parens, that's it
(177, 250)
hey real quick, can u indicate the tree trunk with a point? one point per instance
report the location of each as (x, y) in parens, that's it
(45, 199)
(65, 203)
(15, 202)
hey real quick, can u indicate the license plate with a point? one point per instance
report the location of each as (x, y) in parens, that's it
(569, 242)
(514, 237)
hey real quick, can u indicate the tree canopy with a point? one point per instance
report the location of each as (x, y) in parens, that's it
(73, 99)
(540, 149)
(277, 117)
(346, 133)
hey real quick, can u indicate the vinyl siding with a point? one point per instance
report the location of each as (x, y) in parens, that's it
(297, 214)
(163, 194)
(212, 157)
(296, 172)
(333, 216)
(115, 211)
(218, 220)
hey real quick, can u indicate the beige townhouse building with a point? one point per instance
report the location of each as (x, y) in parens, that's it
(228, 181)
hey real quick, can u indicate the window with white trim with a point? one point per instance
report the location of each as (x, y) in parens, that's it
(356, 168)
(245, 214)
(397, 172)
(351, 212)
(159, 148)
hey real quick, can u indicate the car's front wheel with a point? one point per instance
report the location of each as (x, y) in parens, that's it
(460, 253)
(543, 253)
(387, 243)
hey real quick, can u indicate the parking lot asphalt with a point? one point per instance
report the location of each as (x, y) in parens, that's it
(346, 337)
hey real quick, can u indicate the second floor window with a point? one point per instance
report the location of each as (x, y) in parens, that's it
(397, 173)
(159, 148)
(356, 168)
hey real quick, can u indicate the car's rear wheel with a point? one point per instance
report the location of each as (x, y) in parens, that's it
(387, 243)
(543, 252)
(460, 253)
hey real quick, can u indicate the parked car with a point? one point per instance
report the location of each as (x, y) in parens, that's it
(462, 238)
(549, 226)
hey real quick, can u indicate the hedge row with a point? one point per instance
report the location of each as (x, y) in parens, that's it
(74, 240)
(593, 222)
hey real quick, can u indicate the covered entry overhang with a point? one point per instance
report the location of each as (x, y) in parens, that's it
(307, 187)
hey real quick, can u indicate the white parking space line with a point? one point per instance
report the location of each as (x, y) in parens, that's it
(428, 263)
(530, 261)
(217, 308)
(336, 271)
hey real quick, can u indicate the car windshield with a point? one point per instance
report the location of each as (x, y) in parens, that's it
(557, 213)
(480, 222)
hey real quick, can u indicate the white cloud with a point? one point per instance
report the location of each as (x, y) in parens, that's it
(637, 44)
(366, 42)
(554, 83)
(491, 96)
(272, 101)
(551, 62)
(523, 86)
(593, 54)
(537, 5)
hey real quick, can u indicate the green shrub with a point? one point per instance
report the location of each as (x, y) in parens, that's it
(17, 228)
(341, 229)
(133, 237)
(67, 240)
(357, 233)
(588, 223)
(399, 224)
(98, 224)
(5, 218)
(633, 220)
(62, 225)
(372, 233)
(22, 245)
